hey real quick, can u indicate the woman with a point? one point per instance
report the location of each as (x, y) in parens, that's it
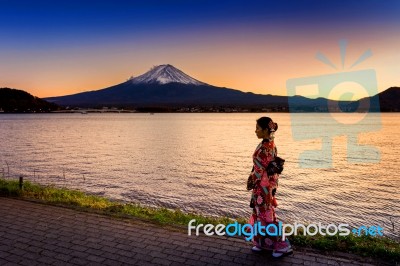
(264, 188)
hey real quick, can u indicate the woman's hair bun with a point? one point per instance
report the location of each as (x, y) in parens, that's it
(267, 123)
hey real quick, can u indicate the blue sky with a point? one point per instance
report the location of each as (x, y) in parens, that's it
(86, 45)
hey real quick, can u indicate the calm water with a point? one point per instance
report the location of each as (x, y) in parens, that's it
(200, 162)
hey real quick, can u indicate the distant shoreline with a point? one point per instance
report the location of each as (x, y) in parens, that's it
(186, 110)
(180, 112)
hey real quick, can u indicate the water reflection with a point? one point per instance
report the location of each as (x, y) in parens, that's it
(200, 162)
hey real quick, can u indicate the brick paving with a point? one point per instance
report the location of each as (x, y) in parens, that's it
(37, 234)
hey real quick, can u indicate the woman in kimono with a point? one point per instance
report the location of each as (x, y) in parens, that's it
(264, 187)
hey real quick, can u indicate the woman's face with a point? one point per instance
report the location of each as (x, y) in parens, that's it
(261, 134)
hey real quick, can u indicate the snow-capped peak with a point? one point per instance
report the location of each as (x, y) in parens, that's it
(164, 74)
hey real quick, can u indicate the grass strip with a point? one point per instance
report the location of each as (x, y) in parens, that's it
(367, 246)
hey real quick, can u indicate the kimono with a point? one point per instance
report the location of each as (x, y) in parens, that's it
(263, 199)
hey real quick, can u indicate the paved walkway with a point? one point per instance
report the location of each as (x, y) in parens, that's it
(36, 234)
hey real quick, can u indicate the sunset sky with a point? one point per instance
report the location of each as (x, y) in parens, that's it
(53, 48)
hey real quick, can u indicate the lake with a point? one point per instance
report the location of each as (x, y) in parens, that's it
(200, 162)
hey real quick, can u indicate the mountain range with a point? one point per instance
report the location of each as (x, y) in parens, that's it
(167, 86)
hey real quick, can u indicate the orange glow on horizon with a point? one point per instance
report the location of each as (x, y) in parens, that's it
(252, 63)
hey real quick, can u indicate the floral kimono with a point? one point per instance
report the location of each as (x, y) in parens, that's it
(263, 199)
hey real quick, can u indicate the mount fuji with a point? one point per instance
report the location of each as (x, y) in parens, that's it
(166, 86)
(164, 74)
